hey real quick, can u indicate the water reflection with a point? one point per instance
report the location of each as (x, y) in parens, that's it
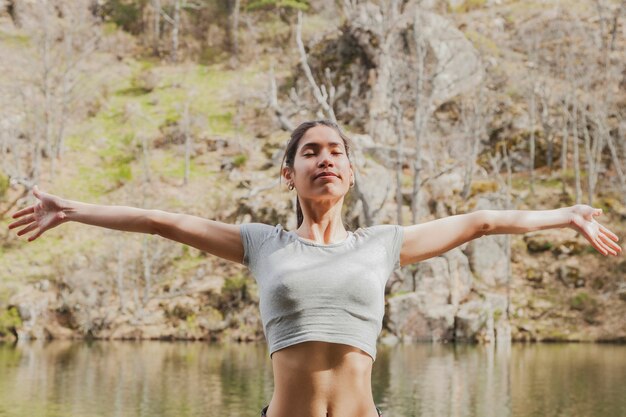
(442, 380)
(197, 379)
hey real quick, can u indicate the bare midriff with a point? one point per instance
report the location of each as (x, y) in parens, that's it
(320, 379)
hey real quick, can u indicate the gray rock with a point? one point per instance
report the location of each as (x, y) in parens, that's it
(433, 281)
(410, 320)
(498, 303)
(483, 320)
(471, 318)
(439, 281)
(460, 280)
(570, 276)
(458, 63)
(488, 260)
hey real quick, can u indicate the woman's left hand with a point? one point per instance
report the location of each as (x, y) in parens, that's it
(600, 237)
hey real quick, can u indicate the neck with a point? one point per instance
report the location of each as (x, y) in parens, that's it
(322, 221)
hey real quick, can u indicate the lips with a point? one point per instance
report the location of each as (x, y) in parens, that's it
(326, 174)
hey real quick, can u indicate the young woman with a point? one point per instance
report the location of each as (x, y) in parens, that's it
(321, 287)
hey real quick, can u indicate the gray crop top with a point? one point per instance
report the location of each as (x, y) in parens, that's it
(331, 293)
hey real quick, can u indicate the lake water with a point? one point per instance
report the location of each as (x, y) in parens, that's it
(115, 379)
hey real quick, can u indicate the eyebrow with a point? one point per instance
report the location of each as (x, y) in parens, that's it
(317, 145)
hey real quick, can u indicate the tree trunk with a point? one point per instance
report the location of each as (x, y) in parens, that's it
(234, 28)
(509, 267)
(422, 112)
(120, 276)
(618, 165)
(547, 129)
(145, 152)
(575, 141)
(187, 142)
(564, 141)
(156, 35)
(531, 165)
(399, 159)
(473, 132)
(592, 164)
(175, 28)
(147, 269)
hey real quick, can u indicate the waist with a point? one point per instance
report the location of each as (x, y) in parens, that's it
(321, 379)
(322, 368)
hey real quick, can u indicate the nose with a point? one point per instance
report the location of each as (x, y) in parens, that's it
(325, 161)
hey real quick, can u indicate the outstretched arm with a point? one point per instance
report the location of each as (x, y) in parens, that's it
(426, 240)
(217, 238)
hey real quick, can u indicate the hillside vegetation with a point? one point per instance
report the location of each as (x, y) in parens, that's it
(459, 105)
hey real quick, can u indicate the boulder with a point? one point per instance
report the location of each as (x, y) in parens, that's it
(570, 276)
(410, 320)
(448, 278)
(460, 280)
(432, 282)
(458, 65)
(471, 318)
(488, 260)
(483, 320)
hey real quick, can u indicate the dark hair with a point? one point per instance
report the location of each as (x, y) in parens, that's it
(292, 147)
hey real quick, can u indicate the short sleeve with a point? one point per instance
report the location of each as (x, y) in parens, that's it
(252, 236)
(390, 236)
(395, 245)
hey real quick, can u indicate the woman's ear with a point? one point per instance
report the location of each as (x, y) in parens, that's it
(287, 174)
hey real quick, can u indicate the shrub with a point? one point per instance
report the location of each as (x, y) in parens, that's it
(9, 321)
(240, 160)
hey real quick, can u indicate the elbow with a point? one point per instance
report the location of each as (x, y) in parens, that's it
(484, 223)
(154, 225)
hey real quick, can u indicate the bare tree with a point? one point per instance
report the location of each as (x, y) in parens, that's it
(575, 146)
(187, 133)
(399, 127)
(120, 275)
(424, 106)
(156, 29)
(325, 96)
(233, 27)
(285, 123)
(175, 21)
(546, 124)
(565, 122)
(64, 38)
(532, 108)
(473, 120)
(498, 158)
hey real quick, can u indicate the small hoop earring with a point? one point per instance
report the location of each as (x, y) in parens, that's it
(351, 184)
(291, 186)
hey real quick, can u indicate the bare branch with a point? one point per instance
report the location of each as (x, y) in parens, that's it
(285, 123)
(320, 94)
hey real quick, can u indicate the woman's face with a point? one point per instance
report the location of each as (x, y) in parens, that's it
(321, 167)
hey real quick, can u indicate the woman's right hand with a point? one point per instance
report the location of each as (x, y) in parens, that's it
(42, 216)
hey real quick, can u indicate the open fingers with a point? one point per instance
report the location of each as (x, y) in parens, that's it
(21, 222)
(27, 229)
(27, 210)
(36, 235)
(602, 247)
(608, 232)
(608, 242)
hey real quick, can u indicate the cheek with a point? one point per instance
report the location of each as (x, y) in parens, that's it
(300, 170)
